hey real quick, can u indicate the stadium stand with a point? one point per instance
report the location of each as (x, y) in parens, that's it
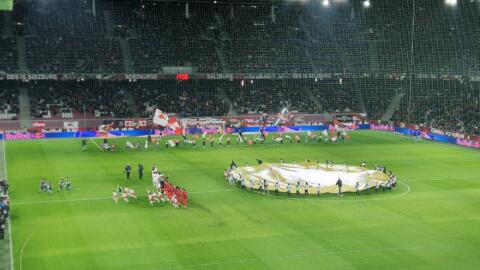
(252, 42)
(267, 96)
(8, 101)
(377, 94)
(244, 38)
(57, 99)
(78, 44)
(365, 54)
(160, 35)
(8, 57)
(436, 104)
(192, 98)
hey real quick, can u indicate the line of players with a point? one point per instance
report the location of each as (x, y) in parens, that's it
(63, 184)
(163, 190)
(226, 139)
(125, 193)
(166, 191)
(263, 184)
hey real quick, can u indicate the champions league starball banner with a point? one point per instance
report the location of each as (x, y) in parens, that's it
(321, 177)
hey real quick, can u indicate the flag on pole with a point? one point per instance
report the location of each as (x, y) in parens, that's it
(160, 118)
(174, 125)
(105, 128)
(282, 117)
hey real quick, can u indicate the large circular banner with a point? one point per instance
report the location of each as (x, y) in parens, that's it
(314, 176)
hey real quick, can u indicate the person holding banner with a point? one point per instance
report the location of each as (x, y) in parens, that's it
(339, 184)
(305, 188)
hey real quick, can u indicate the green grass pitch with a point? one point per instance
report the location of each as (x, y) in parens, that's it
(431, 222)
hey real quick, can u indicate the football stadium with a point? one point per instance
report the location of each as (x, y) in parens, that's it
(239, 134)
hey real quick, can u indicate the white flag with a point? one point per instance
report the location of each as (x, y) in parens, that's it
(160, 118)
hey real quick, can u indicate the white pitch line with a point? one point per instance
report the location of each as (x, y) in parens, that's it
(8, 221)
(229, 190)
(217, 191)
(23, 248)
(449, 179)
(96, 144)
(61, 201)
(106, 198)
(212, 191)
(9, 224)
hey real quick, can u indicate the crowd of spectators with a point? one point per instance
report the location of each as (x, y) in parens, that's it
(4, 206)
(449, 105)
(337, 96)
(186, 98)
(64, 37)
(82, 37)
(259, 96)
(60, 99)
(96, 55)
(270, 96)
(9, 106)
(160, 35)
(253, 42)
(8, 55)
(377, 94)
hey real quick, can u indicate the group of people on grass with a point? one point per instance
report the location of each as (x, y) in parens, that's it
(166, 191)
(163, 190)
(63, 184)
(303, 186)
(125, 193)
(226, 139)
(4, 206)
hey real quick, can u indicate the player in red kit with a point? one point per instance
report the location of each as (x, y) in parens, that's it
(184, 198)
